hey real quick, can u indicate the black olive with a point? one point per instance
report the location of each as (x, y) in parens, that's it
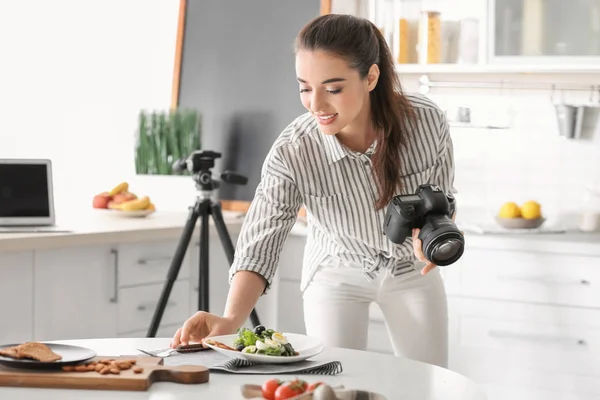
(240, 347)
(259, 329)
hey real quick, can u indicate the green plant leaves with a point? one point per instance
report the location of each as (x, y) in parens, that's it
(164, 137)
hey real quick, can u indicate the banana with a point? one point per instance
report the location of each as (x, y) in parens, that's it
(138, 204)
(120, 188)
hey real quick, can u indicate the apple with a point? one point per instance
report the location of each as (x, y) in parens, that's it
(123, 197)
(101, 200)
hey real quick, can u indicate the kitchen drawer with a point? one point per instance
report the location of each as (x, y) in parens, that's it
(148, 262)
(136, 306)
(526, 276)
(548, 347)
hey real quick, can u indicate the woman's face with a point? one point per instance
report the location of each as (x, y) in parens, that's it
(333, 92)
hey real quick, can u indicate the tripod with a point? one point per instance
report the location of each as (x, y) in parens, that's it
(200, 163)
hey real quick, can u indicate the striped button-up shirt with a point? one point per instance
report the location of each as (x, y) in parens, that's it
(338, 190)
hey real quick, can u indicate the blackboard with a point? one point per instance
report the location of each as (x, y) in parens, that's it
(237, 70)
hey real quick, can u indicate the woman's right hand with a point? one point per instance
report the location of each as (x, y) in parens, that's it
(201, 325)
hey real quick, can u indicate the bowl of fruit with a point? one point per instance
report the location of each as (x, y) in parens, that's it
(123, 203)
(527, 216)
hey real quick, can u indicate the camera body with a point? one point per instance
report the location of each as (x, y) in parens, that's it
(430, 210)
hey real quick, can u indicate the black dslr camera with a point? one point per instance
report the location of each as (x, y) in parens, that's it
(430, 210)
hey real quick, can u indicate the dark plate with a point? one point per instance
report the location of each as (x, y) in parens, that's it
(71, 355)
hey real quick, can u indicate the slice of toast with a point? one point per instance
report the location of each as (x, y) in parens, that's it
(218, 344)
(12, 352)
(37, 351)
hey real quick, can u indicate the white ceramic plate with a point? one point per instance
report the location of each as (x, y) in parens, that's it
(306, 346)
(130, 214)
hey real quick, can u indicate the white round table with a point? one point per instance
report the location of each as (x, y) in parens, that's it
(393, 377)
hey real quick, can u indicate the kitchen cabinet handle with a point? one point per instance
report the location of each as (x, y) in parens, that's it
(545, 279)
(152, 306)
(115, 295)
(536, 338)
(146, 261)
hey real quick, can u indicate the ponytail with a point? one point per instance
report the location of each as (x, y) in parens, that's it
(391, 113)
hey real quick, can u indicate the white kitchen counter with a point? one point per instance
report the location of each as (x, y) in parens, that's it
(97, 227)
(570, 241)
(577, 243)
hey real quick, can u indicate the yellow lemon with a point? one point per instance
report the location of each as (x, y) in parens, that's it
(531, 210)
(509, 210)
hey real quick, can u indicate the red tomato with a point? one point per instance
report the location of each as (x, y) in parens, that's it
(313, 386)
(301, 383)
(290, 389)
(269, 388)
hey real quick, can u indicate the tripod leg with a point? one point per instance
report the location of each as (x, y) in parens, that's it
(203, 274)
(184, 242)
(228, 246)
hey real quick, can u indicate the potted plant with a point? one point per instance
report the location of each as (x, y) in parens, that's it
(163, 137)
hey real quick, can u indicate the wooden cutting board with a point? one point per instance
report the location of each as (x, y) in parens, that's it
(153, 371)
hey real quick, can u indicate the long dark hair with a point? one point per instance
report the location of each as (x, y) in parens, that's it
(361, 44)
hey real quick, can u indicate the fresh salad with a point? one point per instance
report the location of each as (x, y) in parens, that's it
(263, 341)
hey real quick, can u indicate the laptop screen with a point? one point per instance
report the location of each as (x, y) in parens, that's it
(24, 190)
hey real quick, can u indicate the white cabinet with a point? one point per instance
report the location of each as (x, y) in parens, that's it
(99, 292)
(454, 36)
(104, 291)
(142, 273)
(512, 345)
(137, 306)
(75, 293)
(525, 324)
(544, 31)
(542, 277)
(16, 297)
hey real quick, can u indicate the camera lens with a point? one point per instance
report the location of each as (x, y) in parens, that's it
(446, 250)
(443, 243)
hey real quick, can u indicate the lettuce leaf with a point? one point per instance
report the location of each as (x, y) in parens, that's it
(246, 337)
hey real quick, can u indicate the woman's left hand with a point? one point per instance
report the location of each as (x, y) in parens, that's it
(418, 248)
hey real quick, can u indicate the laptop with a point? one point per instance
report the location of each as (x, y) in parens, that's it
(27, 196)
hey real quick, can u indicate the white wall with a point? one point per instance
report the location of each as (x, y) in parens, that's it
(74, 75)
(530, 160)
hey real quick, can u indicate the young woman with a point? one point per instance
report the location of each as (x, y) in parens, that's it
(362, 142)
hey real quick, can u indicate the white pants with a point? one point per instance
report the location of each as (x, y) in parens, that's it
(336, 310)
